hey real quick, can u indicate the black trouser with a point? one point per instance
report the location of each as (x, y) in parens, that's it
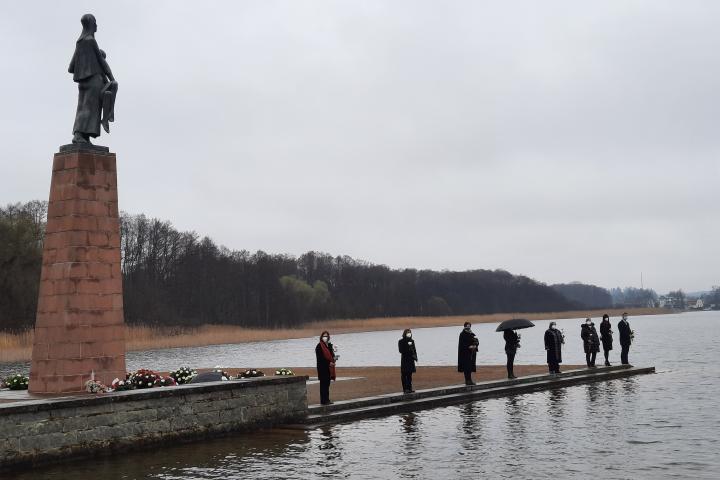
(624, 354)
(607, 356)
(468, 375)
(324, 391)
(590, 358)
(554, 367)
(406, 378)
(510, 360)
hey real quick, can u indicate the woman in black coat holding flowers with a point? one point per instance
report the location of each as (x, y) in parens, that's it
(467, 352)
(408, 357)
(591, 342)
(325, 357)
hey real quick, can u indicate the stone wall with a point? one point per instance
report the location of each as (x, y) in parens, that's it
(39, 431)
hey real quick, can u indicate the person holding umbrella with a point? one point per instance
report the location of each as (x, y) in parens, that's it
(408, 357)
(554, 340)
(512, 339)
(606, 338)
(591, 342)
(512, 343)
(467, 352)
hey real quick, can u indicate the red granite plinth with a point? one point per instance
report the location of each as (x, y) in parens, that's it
(79, 329)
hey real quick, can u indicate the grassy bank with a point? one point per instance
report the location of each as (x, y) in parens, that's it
(18, 347)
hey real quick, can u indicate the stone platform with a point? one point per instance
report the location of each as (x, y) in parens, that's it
(79, 329)
(35, 431)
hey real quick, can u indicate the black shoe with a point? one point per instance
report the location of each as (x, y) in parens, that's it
(327, 403)
(411, 391)
(407, 391)
(511, 376)
(470, 383)
(607, 364)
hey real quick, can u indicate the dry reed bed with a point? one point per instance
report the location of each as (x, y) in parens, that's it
(18, 347)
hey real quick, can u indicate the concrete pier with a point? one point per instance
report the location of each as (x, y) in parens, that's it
(348, 410)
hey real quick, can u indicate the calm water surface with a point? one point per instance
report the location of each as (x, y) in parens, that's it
(665, 425)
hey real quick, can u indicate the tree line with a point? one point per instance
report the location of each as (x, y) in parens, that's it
(180, 278)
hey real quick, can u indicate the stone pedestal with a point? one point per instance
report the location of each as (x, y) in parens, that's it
(79, 328)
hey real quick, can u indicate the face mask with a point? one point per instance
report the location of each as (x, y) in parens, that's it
(553, 326)
(587, 323)
(467, 329)
(408, 335)
(325, 339)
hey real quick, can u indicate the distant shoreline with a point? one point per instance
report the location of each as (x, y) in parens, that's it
(18, 347)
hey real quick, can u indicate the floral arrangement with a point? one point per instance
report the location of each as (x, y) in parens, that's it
(93, 386)
(165, 382)
(251, 373)
(182, 375)
(221, 371)
(284, 372)
(118, 385)
(17, 382)
(142, 378)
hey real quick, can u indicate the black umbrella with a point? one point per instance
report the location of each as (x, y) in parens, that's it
(514, 324)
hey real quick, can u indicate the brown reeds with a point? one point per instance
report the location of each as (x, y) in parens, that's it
(18, 347)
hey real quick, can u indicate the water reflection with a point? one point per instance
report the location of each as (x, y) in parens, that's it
(411, 447)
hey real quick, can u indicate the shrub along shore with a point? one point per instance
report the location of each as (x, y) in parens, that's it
(16, 347)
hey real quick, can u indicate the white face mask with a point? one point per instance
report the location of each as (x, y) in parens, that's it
(553, 327)
(588, 323)
(408, 335)
(325, 339)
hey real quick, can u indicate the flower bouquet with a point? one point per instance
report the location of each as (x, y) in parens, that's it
(93, 386)
(118, 385)
(183, 375)
(17, 382)
(251, 373)
(284, 372)
(143, 378)
(165, 382)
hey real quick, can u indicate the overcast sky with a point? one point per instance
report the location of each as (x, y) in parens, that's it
(564, 140)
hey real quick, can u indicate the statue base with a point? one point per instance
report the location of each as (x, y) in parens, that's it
(80, 147)
(79, 328)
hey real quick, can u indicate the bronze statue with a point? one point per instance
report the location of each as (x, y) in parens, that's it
(96, 85)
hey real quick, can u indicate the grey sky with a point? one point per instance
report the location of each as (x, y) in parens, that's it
(564, 140)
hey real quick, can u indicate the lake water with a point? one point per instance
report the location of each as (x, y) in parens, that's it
(665, 425)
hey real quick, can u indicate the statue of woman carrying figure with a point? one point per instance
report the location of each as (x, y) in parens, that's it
(96, 85)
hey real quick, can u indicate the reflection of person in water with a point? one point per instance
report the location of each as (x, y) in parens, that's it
(92, 74)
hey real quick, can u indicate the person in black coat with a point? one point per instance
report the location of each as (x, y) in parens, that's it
(408, 357)
(591, 342)
(467, 352)
(553, 345)
(512, 343)
(606, 338)
(626, 338)
(325, 357)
